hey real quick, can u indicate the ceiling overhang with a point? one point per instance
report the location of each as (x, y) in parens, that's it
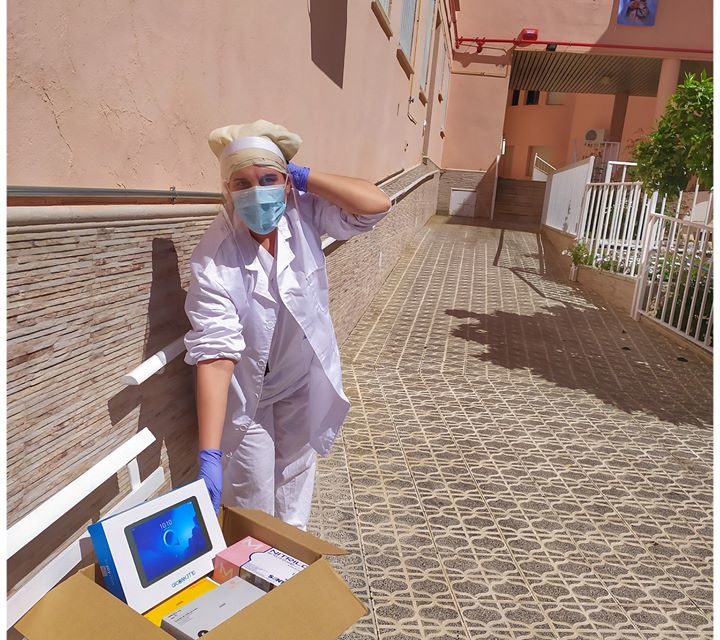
(567, 72)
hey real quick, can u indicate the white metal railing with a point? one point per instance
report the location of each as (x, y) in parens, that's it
(541, 169)
(35, 523)
(495, 186)
(155, 362)
(612, 225)
(675, 283)
(617, 171)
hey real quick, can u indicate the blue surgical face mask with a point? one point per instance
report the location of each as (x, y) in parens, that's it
(260, 208)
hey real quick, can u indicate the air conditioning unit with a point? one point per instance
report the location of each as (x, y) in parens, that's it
(593, 136)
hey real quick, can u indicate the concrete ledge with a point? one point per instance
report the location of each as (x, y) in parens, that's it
(19, 218)
(615, 288)
(560, 240)
(677, 339)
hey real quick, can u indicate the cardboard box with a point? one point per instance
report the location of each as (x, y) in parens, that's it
(313, 605)
(198, 618)
(156, 549)
(257, 562)
(179, 600)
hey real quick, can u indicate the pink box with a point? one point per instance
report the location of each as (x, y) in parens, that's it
(229, 561)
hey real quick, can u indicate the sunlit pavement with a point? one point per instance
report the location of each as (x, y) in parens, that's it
(520, 461)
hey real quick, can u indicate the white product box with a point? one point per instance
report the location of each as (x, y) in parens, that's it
(149, 552)
(211, 609)
(269, 569)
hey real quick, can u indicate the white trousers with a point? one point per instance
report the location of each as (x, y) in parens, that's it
(273, 466)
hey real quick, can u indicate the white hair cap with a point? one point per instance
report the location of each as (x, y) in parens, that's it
(260, 142)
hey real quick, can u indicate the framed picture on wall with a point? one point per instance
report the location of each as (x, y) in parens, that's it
(637, 13)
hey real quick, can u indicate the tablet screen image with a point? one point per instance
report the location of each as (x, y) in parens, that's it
(167, 540)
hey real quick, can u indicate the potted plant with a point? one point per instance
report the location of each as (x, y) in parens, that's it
(579, 254)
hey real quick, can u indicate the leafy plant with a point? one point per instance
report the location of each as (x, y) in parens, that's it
(608, 264)
(681, 146)
(579, 254)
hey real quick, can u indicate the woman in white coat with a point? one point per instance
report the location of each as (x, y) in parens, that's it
(269, 385)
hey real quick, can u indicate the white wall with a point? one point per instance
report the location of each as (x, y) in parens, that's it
(564, 196)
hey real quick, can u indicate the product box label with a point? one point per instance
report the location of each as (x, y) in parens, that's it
(206, 612)
(179, 600)
(257, 562)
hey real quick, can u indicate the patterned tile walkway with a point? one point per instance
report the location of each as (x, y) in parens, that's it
(520, 460)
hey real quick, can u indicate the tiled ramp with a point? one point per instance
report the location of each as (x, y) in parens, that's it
(520, 460)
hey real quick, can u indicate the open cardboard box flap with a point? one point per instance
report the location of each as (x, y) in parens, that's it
(79, 608)
(315, 604)
(261, 526)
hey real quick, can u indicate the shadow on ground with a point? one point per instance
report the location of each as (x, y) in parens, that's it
(560, 345)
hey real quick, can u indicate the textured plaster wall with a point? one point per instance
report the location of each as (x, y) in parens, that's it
(123, 93)
(476, 112)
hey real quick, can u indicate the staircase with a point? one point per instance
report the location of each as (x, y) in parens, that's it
(518, 204)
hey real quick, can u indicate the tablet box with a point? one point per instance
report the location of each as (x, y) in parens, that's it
(198, 618)
(179, 600)
(313, 605)
(260, 564)
(156, 549)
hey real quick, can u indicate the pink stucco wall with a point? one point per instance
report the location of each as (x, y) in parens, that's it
(679, 24)
(639, 121)
(537, 125)
(560, 129)
(474, 122)
(124, 92)
(477, 117)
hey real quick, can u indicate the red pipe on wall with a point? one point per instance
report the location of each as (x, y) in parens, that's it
(479, 42)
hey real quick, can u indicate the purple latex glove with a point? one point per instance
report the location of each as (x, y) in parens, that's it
(299, 175)
(211, 472)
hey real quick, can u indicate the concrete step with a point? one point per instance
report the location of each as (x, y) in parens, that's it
(511, 225)
(519, 201)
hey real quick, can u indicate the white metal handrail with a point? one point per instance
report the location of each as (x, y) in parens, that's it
(22, 533)
(617, 164)
(495, 186)
(155, 362)
(33, 524)
(543, 165)
(168, 353)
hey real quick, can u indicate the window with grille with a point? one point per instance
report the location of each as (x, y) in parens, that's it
(533, 97)
(428, 21)
(407, 27)
(515, 101)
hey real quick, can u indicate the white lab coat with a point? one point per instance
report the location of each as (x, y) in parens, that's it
(233, 314)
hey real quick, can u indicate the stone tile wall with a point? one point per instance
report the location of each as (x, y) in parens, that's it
(482, 182)
(360, 266)
(89, 301)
